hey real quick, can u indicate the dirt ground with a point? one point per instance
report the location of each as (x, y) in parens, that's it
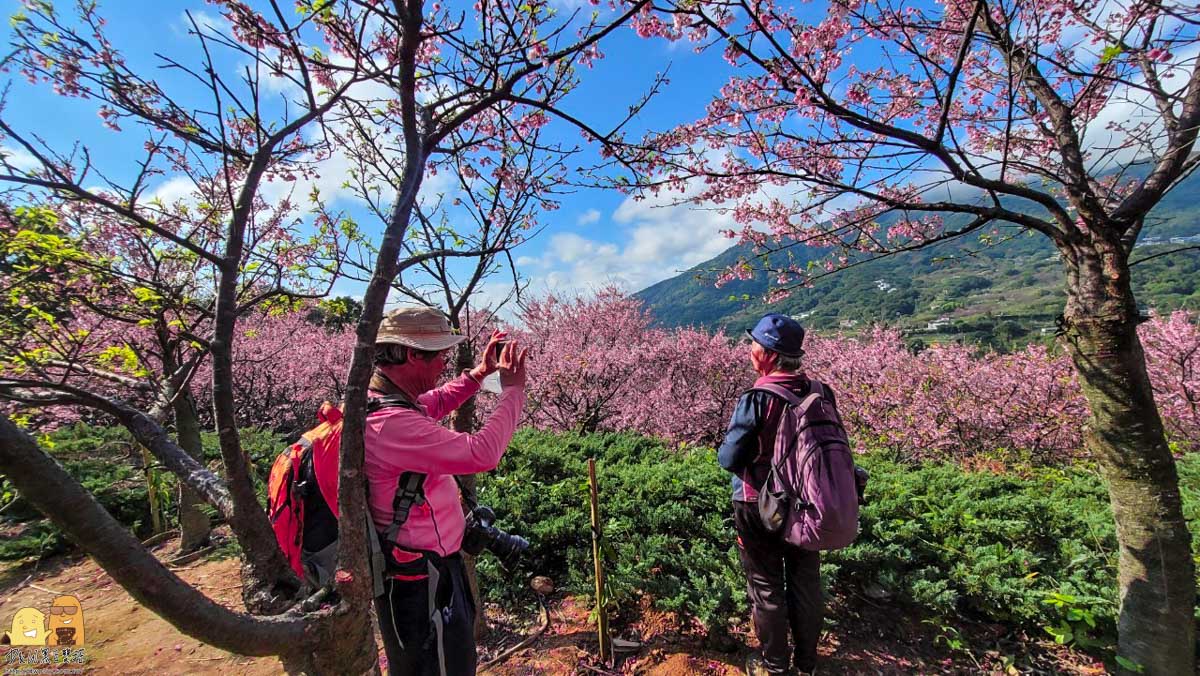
(865, 638)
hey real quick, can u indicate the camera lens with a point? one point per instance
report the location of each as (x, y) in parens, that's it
(507, 547)
(481, 534)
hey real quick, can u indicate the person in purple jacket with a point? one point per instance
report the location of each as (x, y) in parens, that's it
(783, 581)
(426, 615)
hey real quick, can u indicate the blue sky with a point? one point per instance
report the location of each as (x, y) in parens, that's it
(597, 237)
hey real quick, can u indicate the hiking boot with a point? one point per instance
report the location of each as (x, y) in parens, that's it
(756, 667)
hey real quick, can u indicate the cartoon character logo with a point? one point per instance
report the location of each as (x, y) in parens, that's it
(28, 628)
(66, 622)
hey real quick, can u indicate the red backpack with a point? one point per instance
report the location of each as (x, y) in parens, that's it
(308, 469)
(302, 499)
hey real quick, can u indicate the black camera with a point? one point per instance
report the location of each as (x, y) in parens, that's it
(861, 476)
(482, 534)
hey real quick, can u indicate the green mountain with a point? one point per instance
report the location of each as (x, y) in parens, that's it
(1003, 291)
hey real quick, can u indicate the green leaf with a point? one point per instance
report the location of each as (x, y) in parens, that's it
(146, 296)
(1129, 664)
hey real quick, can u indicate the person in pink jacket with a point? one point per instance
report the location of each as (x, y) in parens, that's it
(426, 614)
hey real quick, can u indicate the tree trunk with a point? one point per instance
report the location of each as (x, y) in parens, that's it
(348, 647)
(1157, 585)
(464, 416)
(194, 525)
(353, 577)
(464, 421)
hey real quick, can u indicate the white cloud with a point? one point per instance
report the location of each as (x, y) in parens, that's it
(588, 217)
(210, 22)
(19, 158)
(279, 84)
(662, 241)
(175, 189)
(1129, 106)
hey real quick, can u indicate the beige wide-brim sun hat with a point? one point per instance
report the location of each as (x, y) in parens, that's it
(422, 328)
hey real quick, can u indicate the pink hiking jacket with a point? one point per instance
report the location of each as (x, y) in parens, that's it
(402, 440)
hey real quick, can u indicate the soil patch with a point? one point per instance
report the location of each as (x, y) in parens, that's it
(862, 637)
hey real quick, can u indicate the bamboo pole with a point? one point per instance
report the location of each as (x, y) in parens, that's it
(601, 615)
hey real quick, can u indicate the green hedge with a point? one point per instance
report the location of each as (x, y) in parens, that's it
(665, 513)
(88, 454)
(1036, 549)
(108, 464)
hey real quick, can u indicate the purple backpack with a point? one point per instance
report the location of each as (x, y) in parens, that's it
(810, 496)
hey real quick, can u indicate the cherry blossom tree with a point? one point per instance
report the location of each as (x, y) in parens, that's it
(497, 198)
(184, 269)
(948, 402)
(392, 84)
(1173, 351)
(131, 294)
(587, 357)
(601, 366)
(692, 383)
(284, 368)
(873, 128)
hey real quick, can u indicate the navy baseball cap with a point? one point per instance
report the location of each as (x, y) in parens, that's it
(779, 333)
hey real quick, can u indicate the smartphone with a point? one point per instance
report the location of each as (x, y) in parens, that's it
(499, 347)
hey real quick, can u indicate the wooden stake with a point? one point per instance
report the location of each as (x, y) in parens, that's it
(601, 615)
(152, 490)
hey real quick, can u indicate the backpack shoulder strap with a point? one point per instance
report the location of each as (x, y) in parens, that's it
(390, 401)
(409, 490)
(410, 487)
(816, 392)
(779, 391)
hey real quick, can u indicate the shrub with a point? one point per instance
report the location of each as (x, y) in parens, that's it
(665, 512)
(108, 464)
(98, 457)
(1035, 549)
(992, 546)
(260, 446)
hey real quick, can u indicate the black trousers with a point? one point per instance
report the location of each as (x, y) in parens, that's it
(784, 585)
(418, 642)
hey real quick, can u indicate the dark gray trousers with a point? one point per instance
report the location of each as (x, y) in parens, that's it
(424, 641)
(784, 585)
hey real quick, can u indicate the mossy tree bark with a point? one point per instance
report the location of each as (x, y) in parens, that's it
(1157, 583)
(194, 525)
